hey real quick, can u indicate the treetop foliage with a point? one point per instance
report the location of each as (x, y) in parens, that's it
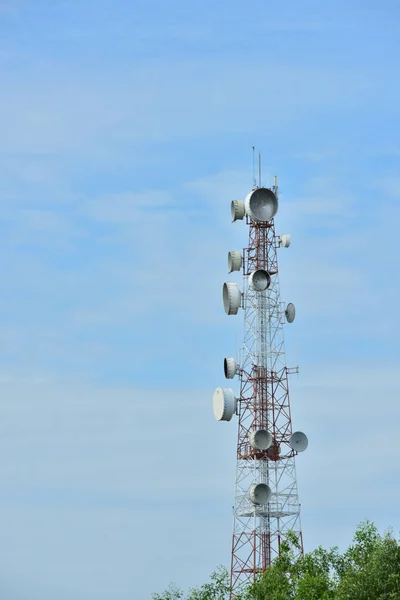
(368, 570)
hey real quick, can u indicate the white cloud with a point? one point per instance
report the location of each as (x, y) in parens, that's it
(90, 113)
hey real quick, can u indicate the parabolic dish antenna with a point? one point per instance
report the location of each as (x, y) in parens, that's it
(224, 404)
(261, 204)
(237, 210)
(290, 313)
(234, 261)
(260, 439)
(298, 441)
(232, 298)
(230, 368)
(284, 240)
(259, 280)
(260, 493)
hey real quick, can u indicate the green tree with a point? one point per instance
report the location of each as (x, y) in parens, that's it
(217, 589)
(368, 570)
(172, 593)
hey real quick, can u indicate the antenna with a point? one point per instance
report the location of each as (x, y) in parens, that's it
(259, 169)
(298, 441)
(254, 169)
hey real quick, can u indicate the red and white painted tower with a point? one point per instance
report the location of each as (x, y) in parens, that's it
(266, 499)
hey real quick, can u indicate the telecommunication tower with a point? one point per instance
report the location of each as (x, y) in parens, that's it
(266, 499)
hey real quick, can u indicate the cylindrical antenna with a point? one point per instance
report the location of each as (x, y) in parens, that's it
(275, 181)
(259, 169)
(254, 170)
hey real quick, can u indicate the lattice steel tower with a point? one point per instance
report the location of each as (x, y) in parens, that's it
(266, 500)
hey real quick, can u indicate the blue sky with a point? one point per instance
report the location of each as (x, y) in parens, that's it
(125, 131)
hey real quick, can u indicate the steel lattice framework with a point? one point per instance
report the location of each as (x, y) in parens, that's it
(264, 405)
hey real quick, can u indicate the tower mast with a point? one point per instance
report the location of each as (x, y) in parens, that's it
(266, 499)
